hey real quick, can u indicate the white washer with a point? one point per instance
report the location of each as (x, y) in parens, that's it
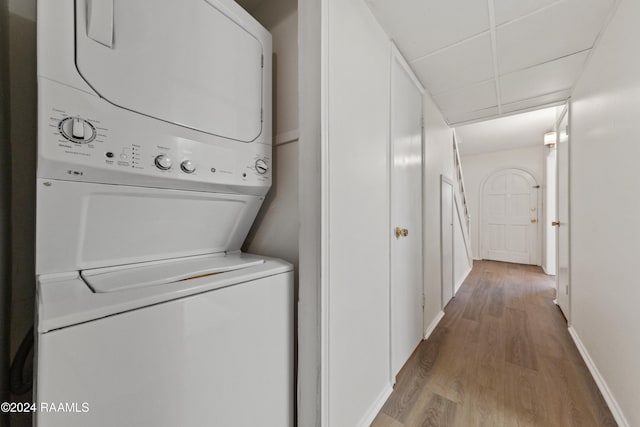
(154, 152)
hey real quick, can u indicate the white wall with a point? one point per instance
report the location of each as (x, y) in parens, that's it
(605, 201)
(477, 167)
(438, 161)
(357, 212)
(275, 231)
(358, 221)
(311, 332)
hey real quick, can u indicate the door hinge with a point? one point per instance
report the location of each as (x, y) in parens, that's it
(262, 61)
(566, 289)
(423, 300)
(261, 115)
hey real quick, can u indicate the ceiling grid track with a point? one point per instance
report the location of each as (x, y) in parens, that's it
(542, 51)
(494, 52)
(447, 47)
(533, 12)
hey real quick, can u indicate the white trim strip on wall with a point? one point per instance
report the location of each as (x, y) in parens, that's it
(286, 137)
(433, 324)
(375, 408)
(600, 382)
(463, 228)
(325, 225)
(459, 283)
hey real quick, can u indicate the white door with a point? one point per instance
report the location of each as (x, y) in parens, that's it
(562, 218)
(406, 214)
(510, 217)
(446, 232)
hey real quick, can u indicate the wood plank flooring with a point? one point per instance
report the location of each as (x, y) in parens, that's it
(501, 356)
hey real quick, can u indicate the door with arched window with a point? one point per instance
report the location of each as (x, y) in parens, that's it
(509, 223)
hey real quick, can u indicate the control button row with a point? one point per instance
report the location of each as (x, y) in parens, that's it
(164, 162)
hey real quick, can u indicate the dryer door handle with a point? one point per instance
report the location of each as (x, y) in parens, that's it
(100, 21)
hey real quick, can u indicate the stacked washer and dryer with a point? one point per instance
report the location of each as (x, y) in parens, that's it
(154, 154)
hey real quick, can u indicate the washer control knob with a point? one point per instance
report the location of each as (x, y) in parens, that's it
(77, 130)
(163, 162)
(188, 166)
(261, 166)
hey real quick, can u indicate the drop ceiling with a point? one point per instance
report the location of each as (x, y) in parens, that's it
(507, 133)
(482, 59)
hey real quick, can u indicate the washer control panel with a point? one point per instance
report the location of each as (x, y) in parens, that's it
(122, 148)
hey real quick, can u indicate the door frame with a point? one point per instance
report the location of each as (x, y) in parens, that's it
(446, 180)
(396, 56)
(538, 254)
(566, 111)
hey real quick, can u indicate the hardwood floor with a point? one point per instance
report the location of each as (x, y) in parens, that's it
(501, 356)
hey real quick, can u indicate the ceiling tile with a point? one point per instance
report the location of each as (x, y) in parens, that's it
(507, 10)
(420, 27)
(506, 133)
(464, 117)
(468, 98)
(536, 102)
(542, 79)
(461, 65)
(570, 26)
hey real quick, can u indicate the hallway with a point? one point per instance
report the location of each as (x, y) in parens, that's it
(502, 355)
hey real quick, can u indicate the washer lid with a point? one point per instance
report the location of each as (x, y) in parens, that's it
(195, 63)
(113, 279)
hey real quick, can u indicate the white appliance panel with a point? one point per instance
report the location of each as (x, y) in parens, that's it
(64, 299)
(187, 63)
(84, 225)
(126, 146)
(116, 279)
(190, 362)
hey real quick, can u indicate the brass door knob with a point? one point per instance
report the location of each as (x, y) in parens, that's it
(555, 223)
(533, 220)
(401, 232)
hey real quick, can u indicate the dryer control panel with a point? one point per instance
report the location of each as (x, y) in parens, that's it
(88, 139)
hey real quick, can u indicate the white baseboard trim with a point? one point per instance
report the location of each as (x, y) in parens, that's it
(433, 324)
(375, 408)
(461, 281)
(601, 383)
(285, 137)
(544, 268)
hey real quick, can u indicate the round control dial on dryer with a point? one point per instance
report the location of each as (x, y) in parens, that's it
(163, 162)
(188, 166)
(261, 166)
(77, 130)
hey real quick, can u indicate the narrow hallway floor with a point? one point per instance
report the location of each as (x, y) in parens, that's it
(501, 356)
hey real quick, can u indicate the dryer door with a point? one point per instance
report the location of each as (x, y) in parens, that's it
(194, 63)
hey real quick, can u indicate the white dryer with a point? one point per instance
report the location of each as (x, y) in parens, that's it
(154, 153)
